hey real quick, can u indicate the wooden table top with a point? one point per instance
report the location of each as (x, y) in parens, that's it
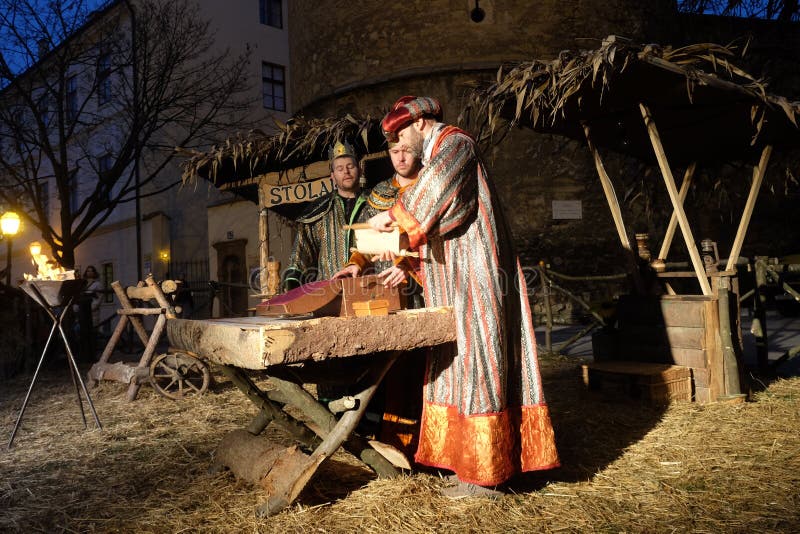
(259, 342)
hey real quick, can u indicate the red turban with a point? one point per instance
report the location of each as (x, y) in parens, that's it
(406, 110)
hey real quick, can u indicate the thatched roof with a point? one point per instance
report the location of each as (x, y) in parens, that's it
(704, 106)
(298, 142)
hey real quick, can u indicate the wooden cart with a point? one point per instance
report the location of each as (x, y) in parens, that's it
(291, 352)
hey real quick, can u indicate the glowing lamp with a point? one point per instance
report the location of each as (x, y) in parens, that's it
(9, 223)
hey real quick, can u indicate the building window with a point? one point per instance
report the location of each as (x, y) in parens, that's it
(270, 12)
(273, 87)
(104, 79)
(71, 104)
(108, 277)
(104, 164)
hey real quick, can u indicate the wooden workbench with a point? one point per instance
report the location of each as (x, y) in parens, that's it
(282, 349)
(261, 342)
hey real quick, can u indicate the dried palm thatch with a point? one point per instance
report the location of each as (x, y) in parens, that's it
(297, 142)
(626, 468)
(700, 96)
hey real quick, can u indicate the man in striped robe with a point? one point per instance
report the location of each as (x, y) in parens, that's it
(322, 246)
(484, 414)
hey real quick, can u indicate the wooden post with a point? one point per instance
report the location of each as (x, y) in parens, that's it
(263, 242)
(666, 172)
(758, 177)
(616, 212)
(759, 325)
(673, 220)
(730, 366)
(548, 311)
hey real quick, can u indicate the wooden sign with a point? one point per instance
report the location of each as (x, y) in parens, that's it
(300, 184)
(294, 193)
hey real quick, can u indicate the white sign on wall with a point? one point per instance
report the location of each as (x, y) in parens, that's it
(567, 209)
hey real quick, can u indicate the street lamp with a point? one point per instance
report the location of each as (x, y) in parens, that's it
(9, 224)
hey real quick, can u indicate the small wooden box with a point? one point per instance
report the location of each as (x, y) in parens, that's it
(333, 297)
(368, 289)
(652, 383)
(371, 307)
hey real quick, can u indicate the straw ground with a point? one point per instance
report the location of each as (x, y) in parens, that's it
(626, 468)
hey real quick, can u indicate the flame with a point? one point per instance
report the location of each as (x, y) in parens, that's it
(47, 269)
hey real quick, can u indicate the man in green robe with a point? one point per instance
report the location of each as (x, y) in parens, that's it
(322, 246)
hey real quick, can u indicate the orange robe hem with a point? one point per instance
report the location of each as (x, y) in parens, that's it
(487, 449)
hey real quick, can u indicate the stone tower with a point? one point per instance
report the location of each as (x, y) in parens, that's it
(360, 55)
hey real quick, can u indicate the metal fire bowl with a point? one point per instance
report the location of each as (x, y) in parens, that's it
(55, 292)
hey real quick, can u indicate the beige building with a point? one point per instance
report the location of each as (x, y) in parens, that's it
(175, 235)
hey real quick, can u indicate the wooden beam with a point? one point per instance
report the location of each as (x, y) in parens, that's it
(673, 220)
(758, 177)
(608, 189)
(672, 189)
(263, 240)
(616, 212)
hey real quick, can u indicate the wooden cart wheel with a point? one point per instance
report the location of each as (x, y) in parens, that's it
(176, 375)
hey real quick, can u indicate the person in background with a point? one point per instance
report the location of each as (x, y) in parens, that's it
(88, 310)
(322, 246)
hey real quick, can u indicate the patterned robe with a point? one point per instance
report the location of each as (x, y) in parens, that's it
(484, 414)
(321, 247)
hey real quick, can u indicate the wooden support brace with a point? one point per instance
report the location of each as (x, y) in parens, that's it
(673, 220)
(744, 223)
(669, 180)
(286, 480)
(125, 302)
(326, 422)
(616, 212)
(147, 355)
(260, 399)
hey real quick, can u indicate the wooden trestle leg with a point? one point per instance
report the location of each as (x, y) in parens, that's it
(291, 472)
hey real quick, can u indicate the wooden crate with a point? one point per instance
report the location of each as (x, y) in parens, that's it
(651, 383)
(680, 330)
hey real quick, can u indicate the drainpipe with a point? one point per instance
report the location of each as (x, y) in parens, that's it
(136, 175)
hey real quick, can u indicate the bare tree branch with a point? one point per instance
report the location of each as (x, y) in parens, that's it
(78, 86)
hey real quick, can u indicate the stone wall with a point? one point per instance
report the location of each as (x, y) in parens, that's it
(346, 45)
(362, 69)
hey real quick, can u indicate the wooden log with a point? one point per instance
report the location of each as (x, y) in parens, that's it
(677, 206)
(149, 293)
(118, 372)
(259, 342)
(249, 457)
(140, 311)
(160, 298)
